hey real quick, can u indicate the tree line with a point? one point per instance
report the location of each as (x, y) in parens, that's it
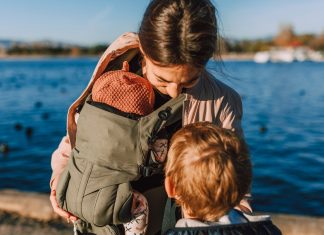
(42, 49)
(286, 37)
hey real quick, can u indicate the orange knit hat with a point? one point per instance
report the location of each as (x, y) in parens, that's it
(125, 91)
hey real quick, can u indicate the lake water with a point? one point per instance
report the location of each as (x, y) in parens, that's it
(283, 124)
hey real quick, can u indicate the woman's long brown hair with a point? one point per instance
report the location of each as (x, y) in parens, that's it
(177, 32)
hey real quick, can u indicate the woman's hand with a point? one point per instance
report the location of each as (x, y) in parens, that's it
(68, 216)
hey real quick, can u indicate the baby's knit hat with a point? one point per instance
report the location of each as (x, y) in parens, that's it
(124, 91)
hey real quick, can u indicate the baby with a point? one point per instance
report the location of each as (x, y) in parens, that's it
(132, 96)
(208, 172)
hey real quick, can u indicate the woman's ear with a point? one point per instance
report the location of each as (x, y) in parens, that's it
(169, 187)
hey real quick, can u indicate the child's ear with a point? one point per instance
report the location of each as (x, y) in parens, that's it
(169, 187)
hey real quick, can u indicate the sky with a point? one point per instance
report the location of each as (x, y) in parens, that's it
(101, 21)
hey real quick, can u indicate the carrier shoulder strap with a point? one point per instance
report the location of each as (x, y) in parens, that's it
(165, 115)
(169, 216)
(149, 127)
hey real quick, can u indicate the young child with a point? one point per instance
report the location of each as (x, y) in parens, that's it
(208, 172)
(131, 96)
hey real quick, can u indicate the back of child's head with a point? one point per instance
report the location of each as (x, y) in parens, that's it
(210, 170)
(125, 91)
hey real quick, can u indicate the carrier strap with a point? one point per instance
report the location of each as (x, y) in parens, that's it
(150, 125)
(150, 168)
(166, 115)
(169, 217)
(163, 116)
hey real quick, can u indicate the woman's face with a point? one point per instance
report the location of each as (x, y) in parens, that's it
(170, 80)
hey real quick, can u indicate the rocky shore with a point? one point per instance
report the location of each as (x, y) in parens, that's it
(27, 213)
(15, 224)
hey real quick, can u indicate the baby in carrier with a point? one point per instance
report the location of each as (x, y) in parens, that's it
(118, 143)
(131, 96)
(208, 172)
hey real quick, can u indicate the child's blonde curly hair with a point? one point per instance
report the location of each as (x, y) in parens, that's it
(210, 170)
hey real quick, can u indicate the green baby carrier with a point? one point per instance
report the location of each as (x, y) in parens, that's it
(111, 151)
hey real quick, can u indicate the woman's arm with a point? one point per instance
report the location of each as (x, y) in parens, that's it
(59, 160)
(231, 114)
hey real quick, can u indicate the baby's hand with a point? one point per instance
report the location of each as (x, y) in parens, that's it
(140, 210)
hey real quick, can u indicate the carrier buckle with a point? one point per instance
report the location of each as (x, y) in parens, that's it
(163, 116)
(147, 171)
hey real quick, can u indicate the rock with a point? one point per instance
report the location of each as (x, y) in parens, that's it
(32, 214)
(29, 132)
(12, 224)
(26, 204)
(296, 225)
(38, 104)
(18, 127)
(4, 148)
(45, 116)
(263, 129)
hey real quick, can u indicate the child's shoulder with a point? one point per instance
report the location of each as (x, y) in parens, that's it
(232, 223)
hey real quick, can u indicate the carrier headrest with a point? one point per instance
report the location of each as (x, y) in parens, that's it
(125, 91)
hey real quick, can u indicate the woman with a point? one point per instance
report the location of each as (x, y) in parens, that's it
(175, 41)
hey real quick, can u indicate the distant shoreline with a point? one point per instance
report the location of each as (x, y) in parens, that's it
(37, 57)
(225, 57)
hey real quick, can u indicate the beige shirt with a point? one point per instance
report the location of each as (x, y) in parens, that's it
(213, 101)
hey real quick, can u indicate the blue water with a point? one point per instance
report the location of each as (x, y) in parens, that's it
(283, 124)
